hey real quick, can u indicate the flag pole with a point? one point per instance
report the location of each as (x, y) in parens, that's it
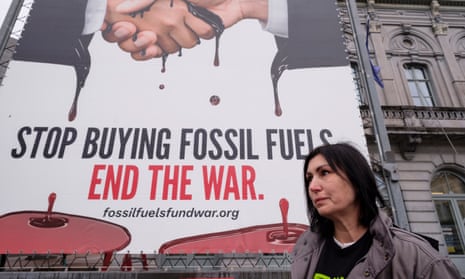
(386, 155)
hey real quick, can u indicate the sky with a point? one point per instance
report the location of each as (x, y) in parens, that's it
(4, 5)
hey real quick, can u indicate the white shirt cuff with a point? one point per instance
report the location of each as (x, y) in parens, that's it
(277, 23)
(95, 15)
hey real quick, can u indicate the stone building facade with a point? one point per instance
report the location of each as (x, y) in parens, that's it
(419, 46)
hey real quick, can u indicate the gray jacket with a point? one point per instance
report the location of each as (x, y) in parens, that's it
(395, 253)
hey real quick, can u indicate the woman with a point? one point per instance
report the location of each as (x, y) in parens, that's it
(349, 236)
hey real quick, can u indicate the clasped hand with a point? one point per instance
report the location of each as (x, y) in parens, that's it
(152, 28)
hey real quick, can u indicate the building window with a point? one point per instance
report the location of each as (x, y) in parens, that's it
(419, 84)
(448, 189)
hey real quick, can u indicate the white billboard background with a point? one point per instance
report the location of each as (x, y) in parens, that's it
(122, 93)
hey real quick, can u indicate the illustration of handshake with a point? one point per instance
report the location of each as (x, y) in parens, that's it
(153, 28)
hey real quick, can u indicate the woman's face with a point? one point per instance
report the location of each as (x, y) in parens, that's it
(331, 194)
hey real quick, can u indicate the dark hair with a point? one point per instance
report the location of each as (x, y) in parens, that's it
(343, 158)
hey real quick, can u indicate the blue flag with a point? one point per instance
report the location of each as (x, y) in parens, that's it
(375, 69)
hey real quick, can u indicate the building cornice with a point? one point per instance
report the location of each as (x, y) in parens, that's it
(419, 120)
(412, 2)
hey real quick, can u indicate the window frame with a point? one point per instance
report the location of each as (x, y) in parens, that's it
(453, 200)
(421, 99)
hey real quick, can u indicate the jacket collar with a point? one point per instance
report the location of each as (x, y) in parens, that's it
(380, 231)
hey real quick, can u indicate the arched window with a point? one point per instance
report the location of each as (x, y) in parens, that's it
(448, 189)
(419, 84)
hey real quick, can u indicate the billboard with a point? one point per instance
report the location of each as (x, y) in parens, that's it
(186, 153)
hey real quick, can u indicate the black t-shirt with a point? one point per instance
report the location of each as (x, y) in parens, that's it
(336, 262)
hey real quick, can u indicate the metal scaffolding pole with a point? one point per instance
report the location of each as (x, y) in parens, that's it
(5, 33)
(382, 139)
(8, 23)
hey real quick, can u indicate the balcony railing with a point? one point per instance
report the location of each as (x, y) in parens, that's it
(419, 120)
